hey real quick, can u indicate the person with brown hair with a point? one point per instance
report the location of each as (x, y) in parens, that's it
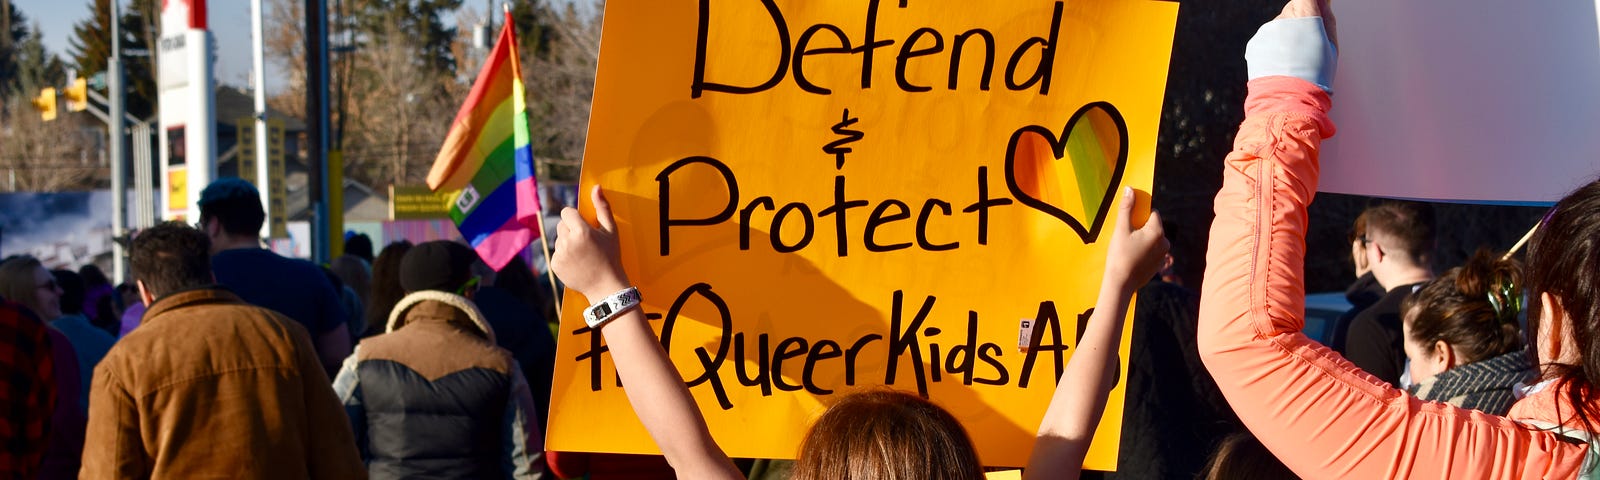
(24, 280)
(846, 441)
(1462, 337)
(210, 386)
(386, 289)
(1363, 292)
(1396, 249)
(871, 434)
(1317, 412)
(1242, 457)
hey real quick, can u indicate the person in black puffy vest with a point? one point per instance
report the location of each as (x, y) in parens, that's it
(434, 397)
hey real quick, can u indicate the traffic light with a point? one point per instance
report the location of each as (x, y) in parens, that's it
(46, 103)
(78, 95)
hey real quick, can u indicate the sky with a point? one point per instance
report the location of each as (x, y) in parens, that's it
(229, 21)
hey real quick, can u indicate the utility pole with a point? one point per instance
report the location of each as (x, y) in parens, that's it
(317, 126)
(263, 162)
(114, 129)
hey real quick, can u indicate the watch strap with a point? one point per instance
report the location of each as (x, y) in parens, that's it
(611, 307)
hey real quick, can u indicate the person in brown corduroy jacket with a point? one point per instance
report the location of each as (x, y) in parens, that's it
(209, 386)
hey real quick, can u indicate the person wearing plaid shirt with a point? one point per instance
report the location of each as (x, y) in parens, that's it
(29, 394)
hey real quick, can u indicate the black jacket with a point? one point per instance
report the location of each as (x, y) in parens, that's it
(435, 398)
(1374, 341)
(524, 332)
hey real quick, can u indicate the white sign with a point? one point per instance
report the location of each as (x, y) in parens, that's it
(188, 99)
(1465, 100)
(174, 70)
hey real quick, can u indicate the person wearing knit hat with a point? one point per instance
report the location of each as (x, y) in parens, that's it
(438, 379)
(438, 265)
(231, 216)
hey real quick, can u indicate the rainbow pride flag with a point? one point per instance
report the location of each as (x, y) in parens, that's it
(488, 159)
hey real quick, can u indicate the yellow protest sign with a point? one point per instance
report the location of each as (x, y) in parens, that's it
(821, 197)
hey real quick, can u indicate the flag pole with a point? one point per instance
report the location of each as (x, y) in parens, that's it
(544, 240)
(1520, 243)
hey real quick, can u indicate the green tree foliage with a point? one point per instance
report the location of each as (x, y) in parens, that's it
(90, 44)
(13, 30)
(536, 27)
(421, 21)
(560, 48)
(36, 67)
(91, 50)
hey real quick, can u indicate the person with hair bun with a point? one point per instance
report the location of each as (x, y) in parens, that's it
(1462, 337)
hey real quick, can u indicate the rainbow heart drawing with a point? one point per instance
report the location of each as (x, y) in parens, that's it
(1095, 144)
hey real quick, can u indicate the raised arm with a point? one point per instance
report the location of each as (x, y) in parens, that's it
(587, 260)
(1080, 398)
(1313, 409)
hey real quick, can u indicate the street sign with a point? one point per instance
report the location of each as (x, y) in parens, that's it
(275, 190)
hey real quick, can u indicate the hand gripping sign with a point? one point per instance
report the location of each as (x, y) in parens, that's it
(821, 197)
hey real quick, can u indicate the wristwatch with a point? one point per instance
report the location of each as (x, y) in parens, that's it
(610, 307)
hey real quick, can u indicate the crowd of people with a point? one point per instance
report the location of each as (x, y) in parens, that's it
(224, 359)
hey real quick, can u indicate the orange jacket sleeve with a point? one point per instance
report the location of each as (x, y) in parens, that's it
(1315, 410)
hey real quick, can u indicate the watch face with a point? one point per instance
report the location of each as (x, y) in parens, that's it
(602, 310)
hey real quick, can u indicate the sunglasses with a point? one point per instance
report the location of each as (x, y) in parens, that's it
(48, 285)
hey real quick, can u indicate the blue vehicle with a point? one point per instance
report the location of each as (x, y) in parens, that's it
(1322, 312)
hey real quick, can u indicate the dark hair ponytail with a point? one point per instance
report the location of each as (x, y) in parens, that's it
(1473, 308)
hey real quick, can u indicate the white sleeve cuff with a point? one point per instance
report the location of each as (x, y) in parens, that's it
(1294, 47)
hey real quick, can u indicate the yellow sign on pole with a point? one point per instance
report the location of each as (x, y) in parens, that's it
(417, 202)
(821, 197)
(275, 189)
(177, 189)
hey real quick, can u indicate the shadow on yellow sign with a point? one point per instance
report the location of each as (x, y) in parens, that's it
(821, 197)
